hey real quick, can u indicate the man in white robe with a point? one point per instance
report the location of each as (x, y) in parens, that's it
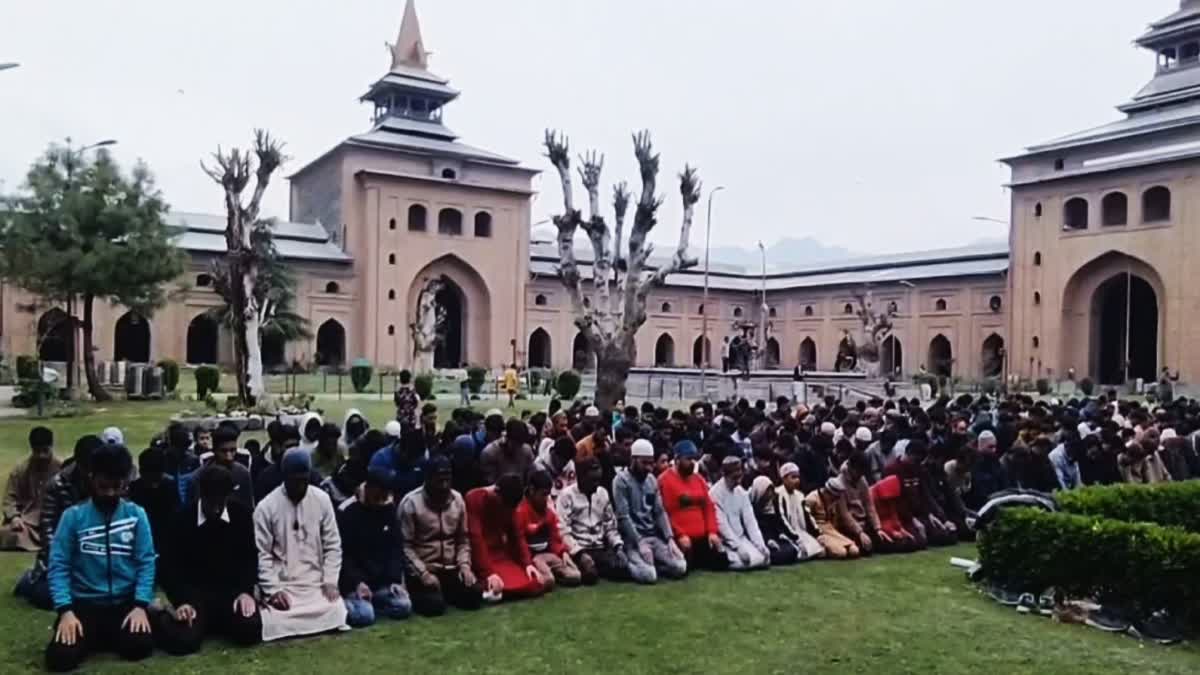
(299, 556)
(740, 536)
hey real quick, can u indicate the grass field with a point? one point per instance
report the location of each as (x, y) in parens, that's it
(894, 614)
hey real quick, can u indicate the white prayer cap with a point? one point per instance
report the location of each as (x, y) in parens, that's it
(1167, 434)
(494, 412)
(788, 469)
(986, 435)
(1085, 430)
(592, 411)
(392, 428)
(828, 428)
(642, 448)
(112, 436)
(863, 434)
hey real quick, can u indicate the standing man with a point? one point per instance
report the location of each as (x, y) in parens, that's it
(406, 400)
(511, 384)
(102, 570)
(23, 494)
(725, 354)
(642, 520)
(299, 555)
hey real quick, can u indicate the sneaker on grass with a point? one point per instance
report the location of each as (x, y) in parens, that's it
(1108, 619)
(1160, 627)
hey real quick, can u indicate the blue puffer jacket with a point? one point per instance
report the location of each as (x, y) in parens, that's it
(102, 560)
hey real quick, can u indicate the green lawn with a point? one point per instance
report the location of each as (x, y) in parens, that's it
(891, 614)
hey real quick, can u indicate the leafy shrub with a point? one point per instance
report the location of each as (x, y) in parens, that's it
(360, 374)
(170, 372)
(1136, 566)
(29, 390)
(1043, 386)
(1087, 385)
(208, 380)
(476, 376)
(27, 367)
(62, 409)
(1168, 504)
(423, 385)
(568, 384)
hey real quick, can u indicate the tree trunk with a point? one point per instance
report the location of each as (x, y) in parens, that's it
(89, 356)
(255, 387)
(612, 370)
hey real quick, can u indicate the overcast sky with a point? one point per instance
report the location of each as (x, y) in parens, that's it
(872, 124)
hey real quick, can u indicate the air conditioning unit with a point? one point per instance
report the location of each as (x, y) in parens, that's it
(102, 368)
(116, 373)
(135, 381)
(152, 382)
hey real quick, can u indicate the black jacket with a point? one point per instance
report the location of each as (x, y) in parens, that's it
(160, 502)
(372, 548)
(216, 559)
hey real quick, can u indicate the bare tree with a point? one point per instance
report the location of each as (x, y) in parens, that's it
(233, 172)
(876, 327)
(620, 284)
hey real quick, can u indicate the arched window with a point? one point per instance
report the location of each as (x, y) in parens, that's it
(449, 174)
(391, 294)
(391, 258)
(539, 300)
(1075, 214)
(450, 222)
(1190, 52)
(331, 344)
(848, 309)
(772, 313)
(203, 281)
(1036, 342)
(1037, 298)
(202, 335)
(132, 339)
(808, 310)
(1037, 258)
(940, 305)
(666, 307)
(332, 287)
(416, 218)
(538, 352)
(808, 354)
(941, 356)
(483, 224)
(1156, 205)
(1114, 209)
(737, 312)
(700, 309)
(664, 351)
(391, 329)
(391, 223)
(1037, 210)
(995, 303)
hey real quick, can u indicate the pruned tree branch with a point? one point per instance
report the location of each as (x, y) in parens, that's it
(559, 153)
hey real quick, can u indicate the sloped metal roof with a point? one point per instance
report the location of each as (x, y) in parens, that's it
(205, 233)
(390, 139)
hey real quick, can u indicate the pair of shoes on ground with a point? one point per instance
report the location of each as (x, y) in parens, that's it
(1159, 627)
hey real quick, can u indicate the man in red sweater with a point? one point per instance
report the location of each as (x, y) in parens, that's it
(539, 541)
(693, 517)
(495, 549)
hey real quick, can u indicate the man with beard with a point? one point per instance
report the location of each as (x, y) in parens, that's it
(23, 494)
(102, 570)
(589, 526)
(642, 521)
(437, 547)
(740, 537)
(509, 455)
(491, 522)
(299, 555)
(224, 453)
(693, 517)
(372, 579)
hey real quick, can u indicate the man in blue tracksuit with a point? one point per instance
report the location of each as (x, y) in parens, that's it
(101, 570)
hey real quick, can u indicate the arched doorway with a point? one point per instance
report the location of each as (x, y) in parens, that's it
(331, 344)
(451, 351)
(847, 355)
(701, 352)
(56, 339)
(1114, 311)
(891, 356)
(1125, 324)
(808, 354)
(582, 357)
(539, 349)
(992, 357)
(941, 356)
(131, 339)
(273, 351)
(664, 351)
(772, 353)
(202, 340)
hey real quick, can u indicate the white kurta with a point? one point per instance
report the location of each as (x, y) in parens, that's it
(299, 549)
(743, 542)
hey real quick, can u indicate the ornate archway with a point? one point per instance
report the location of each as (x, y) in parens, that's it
(664, 351)
(773, 356)
(992, 356)
(467, 303)
(538, 353)
(131, 338)
(582, 357)
(1114, 311)
(701, 352)
(331, 344)
(202, 336)
(941, 356)
(56, 339)
(891, 356)
(808, 354)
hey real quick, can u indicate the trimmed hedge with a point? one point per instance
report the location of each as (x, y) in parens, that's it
(360, 374)
(568, 384)
(476, 376)
(170, 370)
(423, 385)
(208, 380)
(1137, 566)
(1169, 504)
(27, 367)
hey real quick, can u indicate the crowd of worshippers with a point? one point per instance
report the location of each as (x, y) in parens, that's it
(325, 528)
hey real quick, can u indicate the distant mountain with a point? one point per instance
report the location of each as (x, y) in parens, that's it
(786, 252)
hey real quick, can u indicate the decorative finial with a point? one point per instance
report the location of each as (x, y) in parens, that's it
(409, 49)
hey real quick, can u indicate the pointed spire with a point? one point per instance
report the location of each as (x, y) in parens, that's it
(409, 50)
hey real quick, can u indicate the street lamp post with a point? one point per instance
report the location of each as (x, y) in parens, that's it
(762, 336)
(705, 351)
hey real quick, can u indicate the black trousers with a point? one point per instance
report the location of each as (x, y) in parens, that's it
(703, 557)
(605, 564)
(215, 615)
(430, 601)
(102, 631)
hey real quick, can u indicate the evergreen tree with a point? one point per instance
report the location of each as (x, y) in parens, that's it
(85, 230)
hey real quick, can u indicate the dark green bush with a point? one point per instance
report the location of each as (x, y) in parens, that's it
(360, 374)
(568, 384)
(208, 380)
(29, 390)
(1169, 504)
(1043, 386)
(1087, 385)
(423, 385)
(1136, 566)
(170, 372)
(27, 367)
(476, 376)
